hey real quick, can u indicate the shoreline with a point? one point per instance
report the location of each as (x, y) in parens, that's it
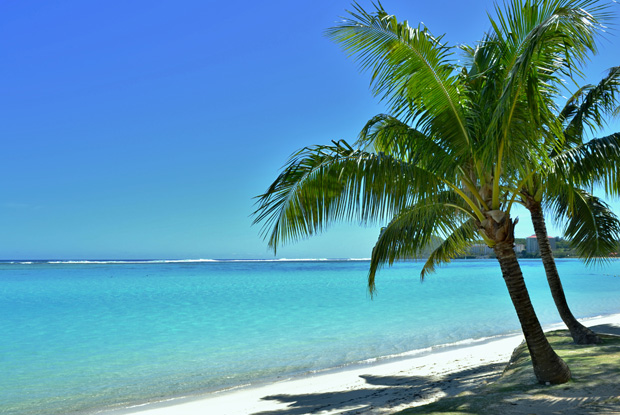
(380, 385)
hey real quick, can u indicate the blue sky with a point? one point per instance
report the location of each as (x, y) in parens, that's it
(143, 129)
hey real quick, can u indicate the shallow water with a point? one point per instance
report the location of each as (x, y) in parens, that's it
(80, 336)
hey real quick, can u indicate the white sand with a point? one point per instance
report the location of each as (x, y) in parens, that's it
(377, 388)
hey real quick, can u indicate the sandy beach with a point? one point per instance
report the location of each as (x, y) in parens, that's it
(379, 387)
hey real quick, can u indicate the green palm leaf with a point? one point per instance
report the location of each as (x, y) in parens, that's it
(454, 245)
(387, 134)
(590, 225)
(410, 70)
(325, 184)
(413, 229)
(589, 106)
(537, 43)
(595, 162)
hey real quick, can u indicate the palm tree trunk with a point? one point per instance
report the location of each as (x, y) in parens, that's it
(548, 366)
(580, 333)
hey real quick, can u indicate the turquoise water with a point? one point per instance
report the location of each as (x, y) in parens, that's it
(83, 336)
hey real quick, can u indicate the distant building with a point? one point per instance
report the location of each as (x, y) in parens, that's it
(480, 250)
(531, 244)
(484, 250)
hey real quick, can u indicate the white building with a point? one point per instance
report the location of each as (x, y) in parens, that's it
(531, 244)
(484, 250)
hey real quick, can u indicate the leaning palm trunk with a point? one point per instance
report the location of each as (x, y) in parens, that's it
(580, 333)
(548, 366)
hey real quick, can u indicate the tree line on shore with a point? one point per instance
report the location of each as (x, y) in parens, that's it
(562, 249)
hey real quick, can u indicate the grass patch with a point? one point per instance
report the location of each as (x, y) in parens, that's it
(594, 387)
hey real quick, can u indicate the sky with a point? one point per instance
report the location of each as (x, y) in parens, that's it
(145, 129)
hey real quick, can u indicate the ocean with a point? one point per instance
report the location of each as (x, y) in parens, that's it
(78, 337)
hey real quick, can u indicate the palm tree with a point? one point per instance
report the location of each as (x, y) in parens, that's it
(460, 143)
(592, 228)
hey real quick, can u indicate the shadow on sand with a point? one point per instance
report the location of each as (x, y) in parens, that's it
(606, 329)
(384, 392)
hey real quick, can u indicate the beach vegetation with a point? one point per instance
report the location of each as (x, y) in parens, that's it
(452, 156)
(592, 389)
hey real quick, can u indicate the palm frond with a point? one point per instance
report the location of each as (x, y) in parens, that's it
(453, 246)
(590, 105)
(410, 69)
(415, 227)
(557, 34)
(324, 184)
(590, 225)
(387, 134)
(595, 162)
(538, 42)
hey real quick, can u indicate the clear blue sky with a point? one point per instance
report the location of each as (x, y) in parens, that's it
(143, 129)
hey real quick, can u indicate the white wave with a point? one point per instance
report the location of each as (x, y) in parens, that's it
(183, 261)
(282, 260)
(130, 261)
(179, 261)
(95, 262)
(302, 259)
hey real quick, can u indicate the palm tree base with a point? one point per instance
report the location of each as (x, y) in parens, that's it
(583, 335)
(553, 372)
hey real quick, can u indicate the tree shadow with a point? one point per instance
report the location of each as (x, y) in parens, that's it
(385, 392)
(594, 388)
(606, 329)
